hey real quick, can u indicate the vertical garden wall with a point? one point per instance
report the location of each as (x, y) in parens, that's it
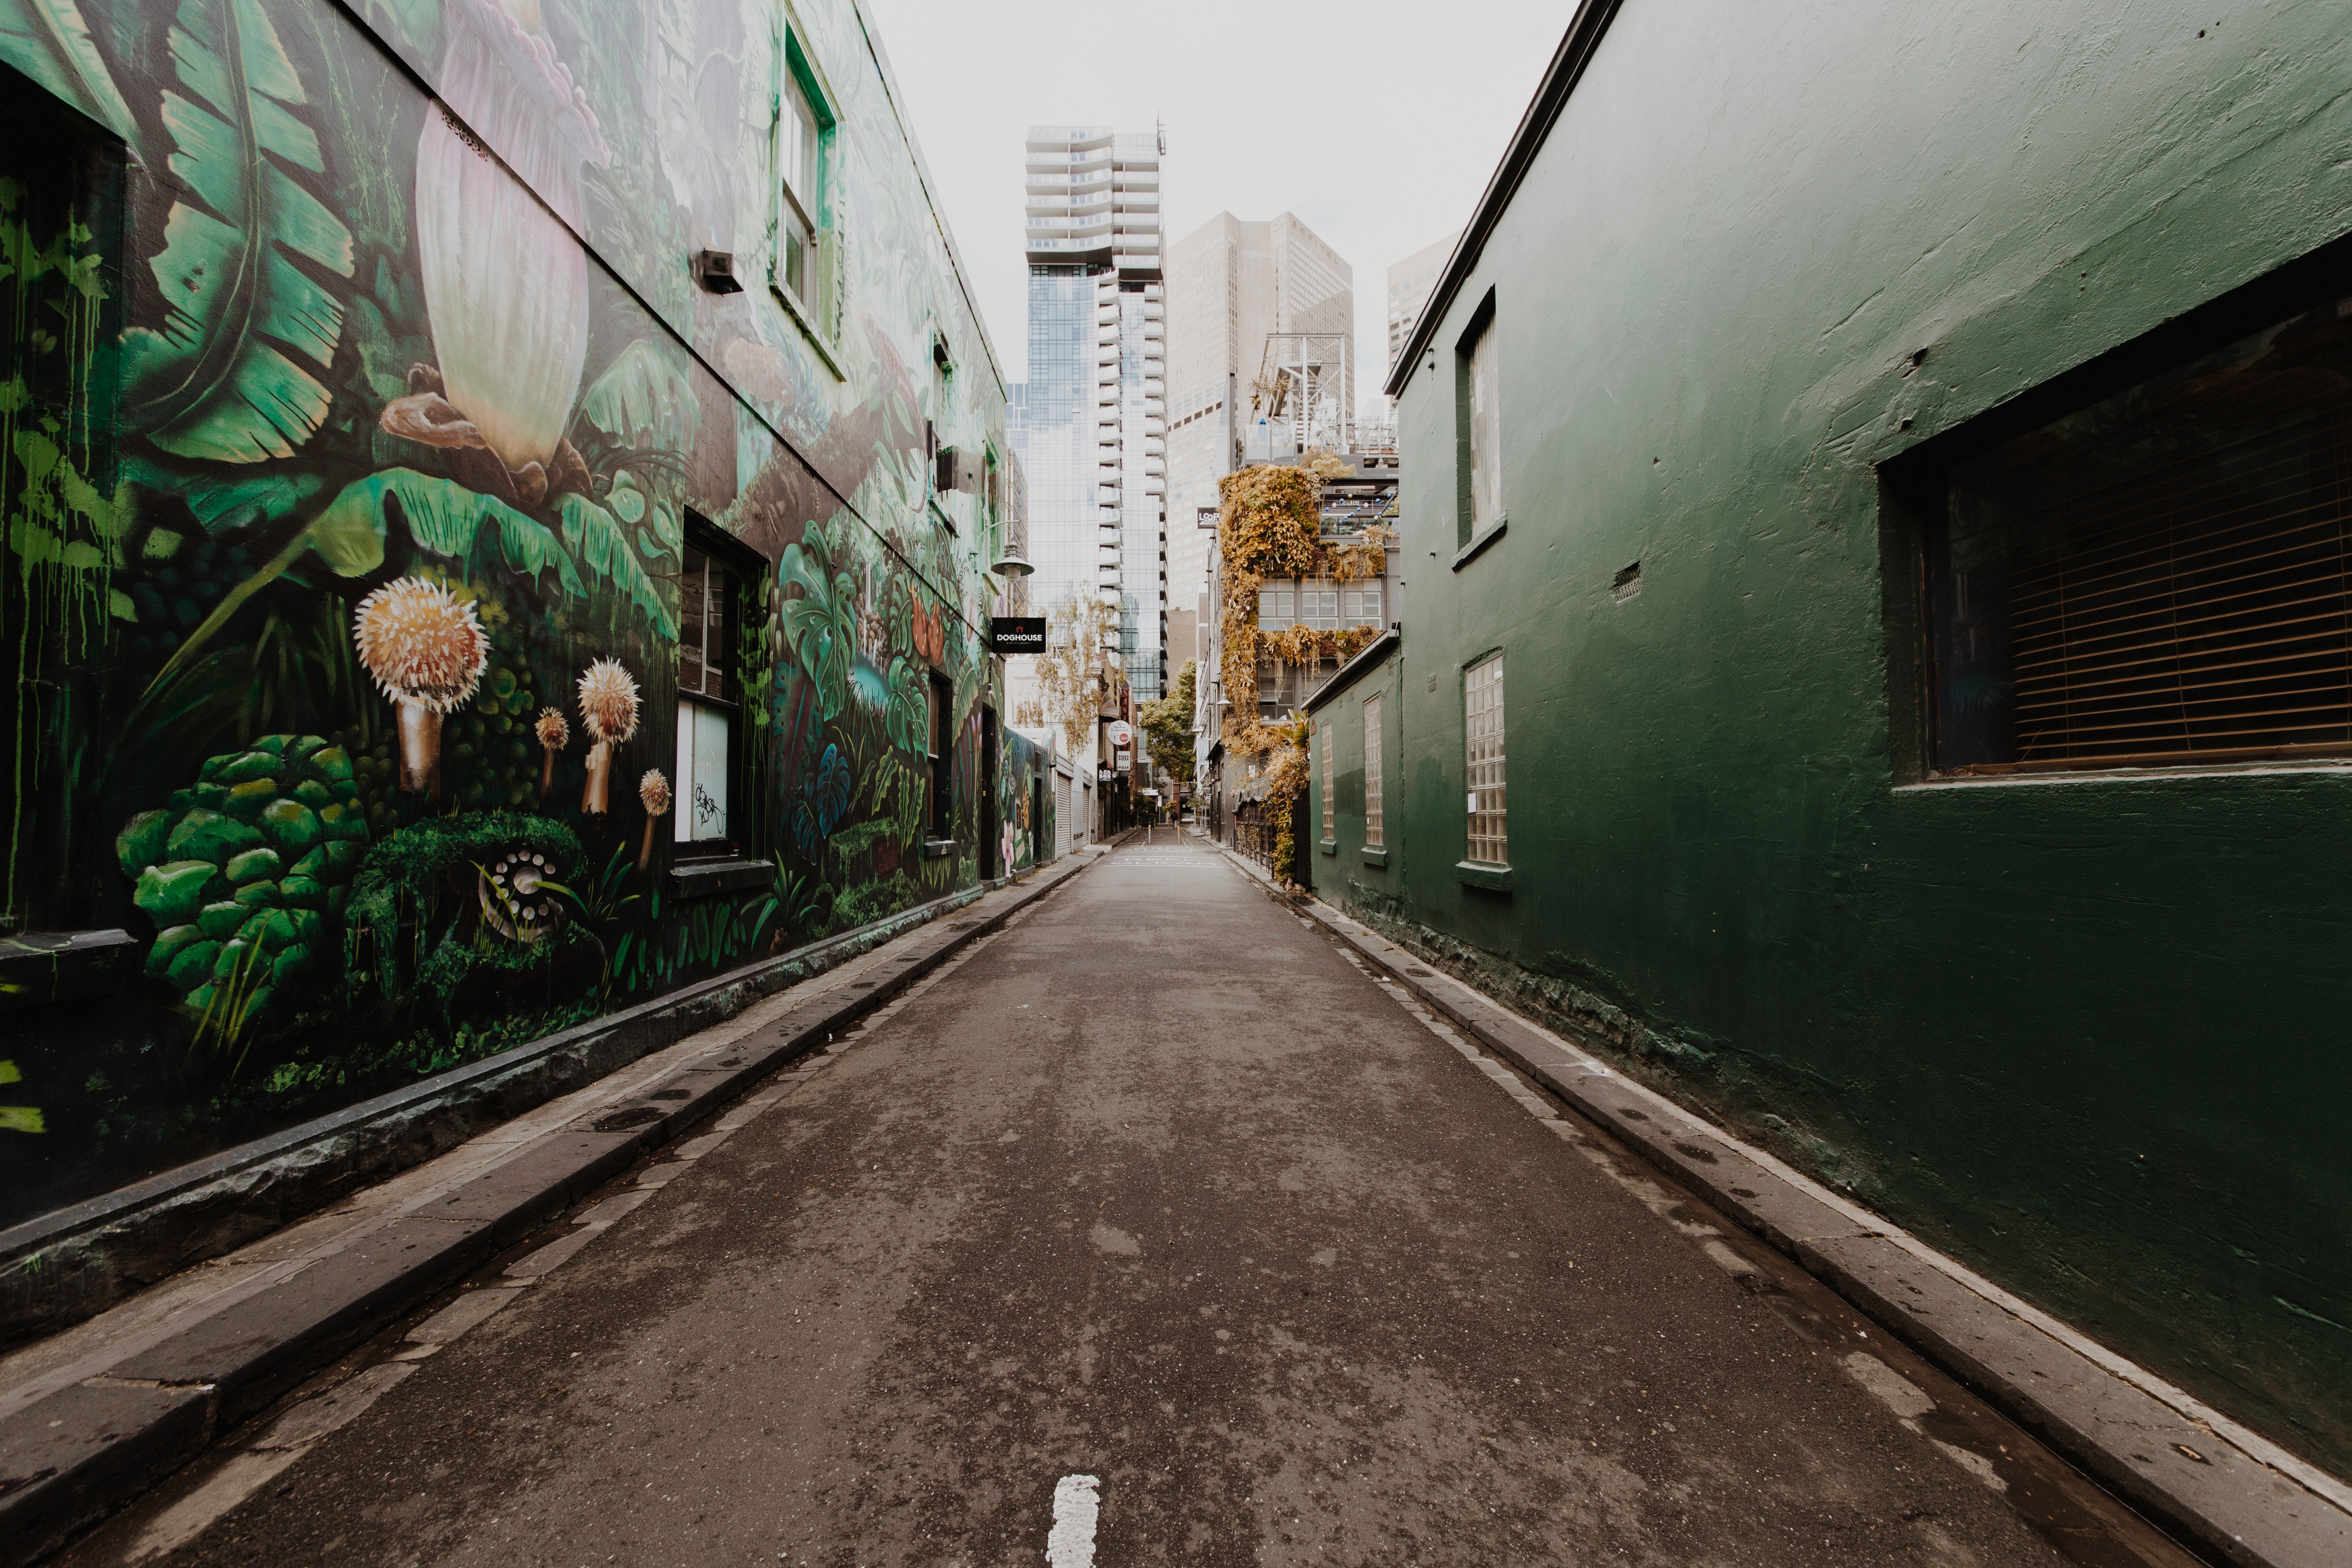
(379, 478)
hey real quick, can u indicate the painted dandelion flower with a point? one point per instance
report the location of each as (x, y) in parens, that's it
(608, 701)
(653, 790)
(554, 733)
(608, 706)
(427, 652)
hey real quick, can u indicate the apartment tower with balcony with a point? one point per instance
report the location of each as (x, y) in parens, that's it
(1094, 417)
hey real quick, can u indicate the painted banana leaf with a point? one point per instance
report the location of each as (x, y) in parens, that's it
(451, 521)
(218, 383)
(643, 398)
(224, 501)
(49, 41)
(597, 543)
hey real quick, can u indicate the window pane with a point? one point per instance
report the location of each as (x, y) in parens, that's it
(1483, 724)
(681, 814)
(709, 802)
(799, 152)
(797, 246)
(1373, 838)
(692, 600)
(1485, 477)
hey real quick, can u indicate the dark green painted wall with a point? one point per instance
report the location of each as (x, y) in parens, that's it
(2088, 1035)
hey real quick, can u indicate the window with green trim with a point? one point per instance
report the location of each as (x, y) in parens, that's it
(805, 269)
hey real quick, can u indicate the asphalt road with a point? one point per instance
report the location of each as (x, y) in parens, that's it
(1155, 1187)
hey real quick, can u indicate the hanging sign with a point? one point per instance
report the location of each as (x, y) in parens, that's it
(1016, 633)
(1121, 736)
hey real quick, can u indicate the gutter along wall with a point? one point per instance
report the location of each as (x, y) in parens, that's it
(330, 338)
(2085, 1032)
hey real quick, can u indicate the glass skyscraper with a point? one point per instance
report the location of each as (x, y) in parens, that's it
(1093, 418)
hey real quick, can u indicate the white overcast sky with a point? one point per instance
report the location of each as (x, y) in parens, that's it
(1377, 123)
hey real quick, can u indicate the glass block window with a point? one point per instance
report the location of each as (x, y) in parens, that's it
(1328, 830)
(1482, 692)
(1361, 606)
(1373, 835)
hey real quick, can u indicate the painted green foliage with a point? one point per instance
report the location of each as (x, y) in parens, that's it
(361, 538)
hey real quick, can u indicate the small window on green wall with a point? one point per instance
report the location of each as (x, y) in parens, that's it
(1479, 442)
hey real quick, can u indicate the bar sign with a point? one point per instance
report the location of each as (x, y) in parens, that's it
(1016, 633)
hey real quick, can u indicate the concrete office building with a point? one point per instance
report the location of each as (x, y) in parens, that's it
(1411, 283)
(1092, 412)
(1230, 285)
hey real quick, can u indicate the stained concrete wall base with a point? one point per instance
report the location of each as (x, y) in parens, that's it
(63, 1267)
(2225, 1490)
(99, 1414)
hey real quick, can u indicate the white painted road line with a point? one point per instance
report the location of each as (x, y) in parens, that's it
(1078, 1503)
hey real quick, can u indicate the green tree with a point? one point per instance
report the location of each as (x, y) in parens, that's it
(1168, 727)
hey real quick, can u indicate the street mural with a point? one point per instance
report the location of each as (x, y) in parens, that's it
(349, 503)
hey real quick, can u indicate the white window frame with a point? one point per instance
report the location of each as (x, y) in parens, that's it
(817, 312)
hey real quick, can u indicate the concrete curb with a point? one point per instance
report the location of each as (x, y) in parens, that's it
(67, 1265)
(82, 1440)
(2232, 1494)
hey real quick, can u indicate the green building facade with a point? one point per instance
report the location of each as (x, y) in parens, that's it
(1899, 461)
(500, 502)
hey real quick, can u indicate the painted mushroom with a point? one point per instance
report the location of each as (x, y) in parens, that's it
(554, 733)
(608, 704)
(653, 790)
(427, 652)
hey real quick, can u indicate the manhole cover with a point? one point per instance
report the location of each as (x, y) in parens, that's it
(635, 1116)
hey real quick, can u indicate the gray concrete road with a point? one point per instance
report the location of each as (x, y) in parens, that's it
(1156, 1187)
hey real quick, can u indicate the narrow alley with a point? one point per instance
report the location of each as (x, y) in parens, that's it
(1160, 1189)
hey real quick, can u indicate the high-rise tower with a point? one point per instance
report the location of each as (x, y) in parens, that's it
(1094, 415)
(1231, 286)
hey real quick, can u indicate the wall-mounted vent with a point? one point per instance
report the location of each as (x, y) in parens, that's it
(715, 270)
(1627, 584)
